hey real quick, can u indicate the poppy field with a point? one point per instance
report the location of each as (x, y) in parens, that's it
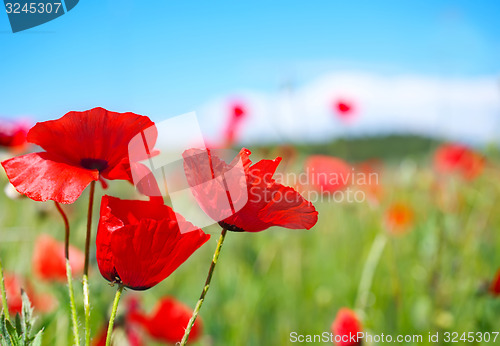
(318, 244)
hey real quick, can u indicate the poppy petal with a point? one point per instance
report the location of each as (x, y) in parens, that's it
(42, 177)
(140, 243)
(289, 209)
(109, 132)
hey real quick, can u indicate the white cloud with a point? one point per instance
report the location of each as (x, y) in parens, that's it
(460, 109)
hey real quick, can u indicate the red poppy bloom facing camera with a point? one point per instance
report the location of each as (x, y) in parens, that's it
(245, 197)
(139, 243)
(79, 148)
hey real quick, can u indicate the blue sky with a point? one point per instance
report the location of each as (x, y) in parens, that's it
(163, 58)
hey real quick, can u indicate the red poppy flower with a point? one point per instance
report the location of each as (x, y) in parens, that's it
(80, 147)
(399, 218)
(139, 243)
(371, 184)
(245, 197)
(238, 112)
(495, 285)
(346, 328)
(344, 110)
(168, 321)
(13, 134)
(128, 336)
(13, 286)
(49, 262)
(457, 158)
(327, 174)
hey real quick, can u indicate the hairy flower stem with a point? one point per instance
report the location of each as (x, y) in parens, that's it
(76, 332)
(113, 314)
(369, 270)
(4, 294)
(205, 288)
(69, 276)
(86, 304)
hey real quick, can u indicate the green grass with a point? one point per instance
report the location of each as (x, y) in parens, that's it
(272, 283)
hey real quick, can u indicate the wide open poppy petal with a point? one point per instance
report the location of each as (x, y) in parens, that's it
(219, 188)
(288, 209)
(264, 170)
(262, 202)
(96, 138)
(42, 177)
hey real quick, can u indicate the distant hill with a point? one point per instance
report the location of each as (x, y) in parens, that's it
(391, 147)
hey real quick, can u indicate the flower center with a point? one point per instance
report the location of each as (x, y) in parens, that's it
(229, 227)
(98, 164)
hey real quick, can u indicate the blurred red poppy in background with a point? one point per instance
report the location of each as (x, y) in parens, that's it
(247, 193)
(457, 158)
(14, 284)
(13, 134)
(344, 110)
(49, 262)
(399, 218)
(139, 243)
(371, 184)
(168, 321)
(126, 325)
(80, 147)
(346, 327)
(495, 285)
(327, 174)
(237, 114)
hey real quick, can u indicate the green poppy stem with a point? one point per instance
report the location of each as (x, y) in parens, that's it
(69, 276)
(76, 332)
(205, 288)
(369, 270)
(4, 294)
(86, 303)
(113, 314)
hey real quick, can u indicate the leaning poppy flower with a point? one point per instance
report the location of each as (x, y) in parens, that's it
(168, 321)
(346, 327)
(49, 262)
(80, 147)
(139, 243)
(245, 197)
(399, 218)
(13, 134)
(457, 158)
(327, 174)
(495, 285)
